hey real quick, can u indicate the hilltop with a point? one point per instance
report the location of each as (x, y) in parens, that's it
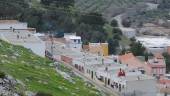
(35, 74)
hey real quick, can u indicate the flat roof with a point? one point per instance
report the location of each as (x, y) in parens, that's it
(20, 37)
(72, 37)
(128, 29)
(154, 41)
(138, 77)
(8, 21)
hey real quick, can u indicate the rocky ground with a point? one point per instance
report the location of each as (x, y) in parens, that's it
(7, 86)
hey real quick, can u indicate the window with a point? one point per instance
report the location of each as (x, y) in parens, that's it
(74, 40)
(79, 41)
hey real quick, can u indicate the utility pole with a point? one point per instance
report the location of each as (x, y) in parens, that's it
(52, 43)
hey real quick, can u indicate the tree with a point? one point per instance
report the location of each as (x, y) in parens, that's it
(133, 39)
(12, 8)
(117, 31)
(137, 48)
(46, 2)
(146, 57)
(59, 3)
(114, 23)
(123, 51)
(2, 74)
(33, 17)
(167, 60)
(165, 4)
(117, 37)
(93, 19)
(126, 22)
(113, 44)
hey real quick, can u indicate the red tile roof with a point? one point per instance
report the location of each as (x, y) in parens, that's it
(131, 61)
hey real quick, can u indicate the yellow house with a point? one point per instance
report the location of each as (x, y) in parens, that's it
(98, 48)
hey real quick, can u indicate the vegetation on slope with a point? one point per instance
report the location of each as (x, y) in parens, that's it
(38, 75)
(107, 7)
(143, 15)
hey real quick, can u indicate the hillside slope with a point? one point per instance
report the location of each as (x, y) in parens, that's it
(107, 7)
(38, 75)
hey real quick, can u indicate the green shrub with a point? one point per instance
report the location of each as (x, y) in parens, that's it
(2, 74)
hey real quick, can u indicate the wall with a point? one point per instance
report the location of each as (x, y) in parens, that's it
(37, 48)
(128, 32)
(105, 49)
(66, 59)
(13, 25)
(99, 48)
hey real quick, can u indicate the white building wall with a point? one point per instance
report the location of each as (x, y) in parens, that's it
(74, 45)
(141, 87)
(128, 32)
(13, 25)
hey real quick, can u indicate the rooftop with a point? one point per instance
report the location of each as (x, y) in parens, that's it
(154, 41)
(131, 61)
(138, 77)
(128, 29)
(9, 21)
(20, 37)
(71, 36)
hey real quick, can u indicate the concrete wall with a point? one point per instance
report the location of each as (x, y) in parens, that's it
(13, 25)
(141, 87)
(37, 48)
(76, 46)
(66, 59)
(128, 32)
(99, 48)
(156, 50)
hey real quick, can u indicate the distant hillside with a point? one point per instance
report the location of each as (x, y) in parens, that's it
(107, 7)
(37, 74)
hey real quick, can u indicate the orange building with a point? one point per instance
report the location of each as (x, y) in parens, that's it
(97, 48)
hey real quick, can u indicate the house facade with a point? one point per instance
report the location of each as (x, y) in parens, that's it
(157, 65)
(73, 42)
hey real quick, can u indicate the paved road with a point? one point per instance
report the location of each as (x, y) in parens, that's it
(108, 91)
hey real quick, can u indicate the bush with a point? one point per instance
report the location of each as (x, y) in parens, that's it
(126, 22)
(2, 74)
(114, 23)
(43, 94)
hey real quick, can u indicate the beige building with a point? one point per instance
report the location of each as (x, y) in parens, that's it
(97, 48)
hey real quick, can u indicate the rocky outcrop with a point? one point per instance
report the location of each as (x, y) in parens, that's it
(7, 86)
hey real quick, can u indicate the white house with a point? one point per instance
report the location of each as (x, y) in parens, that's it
(128, 32)
(73, 42)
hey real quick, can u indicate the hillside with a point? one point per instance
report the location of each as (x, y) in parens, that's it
(37, 74)
(107, 7)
